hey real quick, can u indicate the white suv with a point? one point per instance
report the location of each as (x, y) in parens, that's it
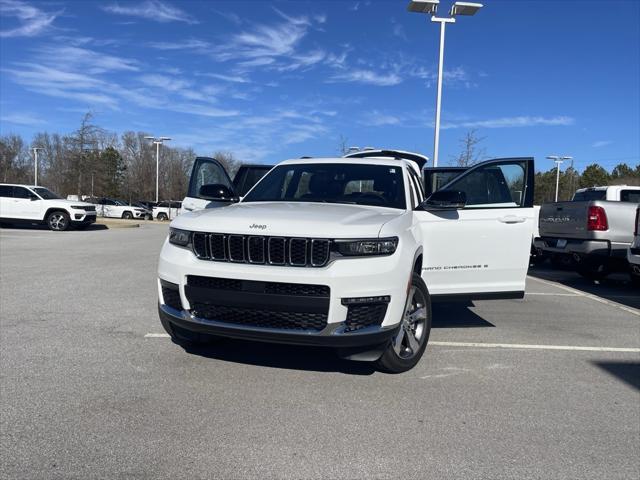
(347, 253)
(111, 208)
(633, 252)
(33, 204)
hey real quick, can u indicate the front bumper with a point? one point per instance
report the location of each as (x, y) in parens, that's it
(344, 278)
(329, 337)
(82, 217)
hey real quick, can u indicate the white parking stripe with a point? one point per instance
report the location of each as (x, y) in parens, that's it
(553, 294)
(588, 295)
(534, 347)
(156, 335)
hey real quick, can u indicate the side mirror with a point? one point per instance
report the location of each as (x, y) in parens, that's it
(216, 191)
(33, 198)
(445, 200)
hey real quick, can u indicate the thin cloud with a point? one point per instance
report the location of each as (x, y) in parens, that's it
(601, 143)
(151, 10)
(32, 20)
(368, 77)
(191, 44)
(513, 122)
(25, 119)
(226, 78)
(89, 61)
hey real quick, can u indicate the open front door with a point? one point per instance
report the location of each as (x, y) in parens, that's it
(481, 250)
(205, 171)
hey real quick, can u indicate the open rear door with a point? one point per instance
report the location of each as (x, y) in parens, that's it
(205, 171)
(481, 250)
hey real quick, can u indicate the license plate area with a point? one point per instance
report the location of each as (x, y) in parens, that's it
(561, 243)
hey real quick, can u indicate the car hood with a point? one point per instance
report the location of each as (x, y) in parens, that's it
(61, 201)
(290, 219)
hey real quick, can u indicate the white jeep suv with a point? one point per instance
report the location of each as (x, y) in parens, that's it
(346, 253)
(33, 204)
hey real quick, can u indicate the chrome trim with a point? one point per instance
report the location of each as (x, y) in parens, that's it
(326, 257)
(264, 252)
(222, 237)
(284, 250)
(231, 259)
(193, 245)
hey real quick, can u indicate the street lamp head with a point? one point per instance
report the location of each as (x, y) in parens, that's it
(150, 138)
(164, 138)
(464, 8)
(423, 6)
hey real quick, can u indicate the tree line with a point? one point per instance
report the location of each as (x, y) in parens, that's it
(94, 161)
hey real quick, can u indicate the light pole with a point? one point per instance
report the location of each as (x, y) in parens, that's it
(35, 163)
(430, 7)
(558, 161)
(157, 141)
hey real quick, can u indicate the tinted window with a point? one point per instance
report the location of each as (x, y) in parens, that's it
(497, 185)
(6, 191)
(435, 180)
(632, 196)
(247, 178)
(589, 195)
(21, 192)
(46, 193)
(379, 185)
(206, 172)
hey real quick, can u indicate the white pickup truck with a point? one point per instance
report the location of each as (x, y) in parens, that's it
(346, 253)
(33, 204)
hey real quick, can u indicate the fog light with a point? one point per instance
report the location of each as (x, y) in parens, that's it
(78, 216)
(360, 300)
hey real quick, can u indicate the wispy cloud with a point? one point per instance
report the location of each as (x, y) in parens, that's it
(601, 143)
(88, 61)
(512, 122)
(26, 119)
(195, 45)
(151, 10)
(226, 78)
(398, 29)
(375, 118)
(369, 77)
(32, 21)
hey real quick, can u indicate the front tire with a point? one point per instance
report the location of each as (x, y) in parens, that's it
(162, 217)
(127, 215)
(406, 349)
(58, 221)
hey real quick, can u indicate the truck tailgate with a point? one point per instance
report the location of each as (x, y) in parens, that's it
(564, 219)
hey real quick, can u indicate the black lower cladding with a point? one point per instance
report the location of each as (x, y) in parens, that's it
(285, 306)
(171, 295)
(366, 315)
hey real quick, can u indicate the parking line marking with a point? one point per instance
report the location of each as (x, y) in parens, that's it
(156, 335)
(553, 294)
(535, 347)
(588, 295)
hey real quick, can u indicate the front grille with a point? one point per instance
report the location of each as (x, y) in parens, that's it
(361, 316)
(273, 288)
(296, 252)
(261, 318)
(171, 296)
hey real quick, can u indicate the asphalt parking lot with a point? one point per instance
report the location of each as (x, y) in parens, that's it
(87, 390)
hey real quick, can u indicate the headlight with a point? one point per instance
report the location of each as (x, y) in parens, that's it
(379, 246)
(76, 207)
(182, 238)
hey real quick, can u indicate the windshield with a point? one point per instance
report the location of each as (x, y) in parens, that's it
(121, 203)
(588, 195)
(378, 185)
(45, 193)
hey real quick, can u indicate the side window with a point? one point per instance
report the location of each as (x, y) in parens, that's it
(632, 196)
(417, 186)
(6, 191)
(21, 192)
(206, 173)
(493, 185)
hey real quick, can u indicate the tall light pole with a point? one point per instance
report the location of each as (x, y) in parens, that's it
(157, 141)
(430, 7)
(35, 163)
(558, 161)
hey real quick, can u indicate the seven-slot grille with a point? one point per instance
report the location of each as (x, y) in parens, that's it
(296, 252)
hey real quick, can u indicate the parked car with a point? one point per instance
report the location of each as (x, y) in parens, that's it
(112, 208)
(347, 253)
(208, 171)
(147, 213)
(167, 210)
(633, 253)
(33, 204)
(592, 232)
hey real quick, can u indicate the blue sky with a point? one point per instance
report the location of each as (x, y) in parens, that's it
(274, 80)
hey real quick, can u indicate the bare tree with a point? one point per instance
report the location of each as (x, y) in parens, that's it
(343, 145)
(471, 152)
(229, 161)
(14, 160)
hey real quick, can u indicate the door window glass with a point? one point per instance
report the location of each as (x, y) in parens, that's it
(207, 173)
(21, 192)
(493, 185)
(6, 191)
(632, 196)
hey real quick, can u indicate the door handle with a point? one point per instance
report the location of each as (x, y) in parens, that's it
(509, 219)
(188, 209)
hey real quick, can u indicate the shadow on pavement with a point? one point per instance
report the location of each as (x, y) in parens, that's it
(38, 227)
(456, 315)
(290, 357)
(617, 287)
(628, 372)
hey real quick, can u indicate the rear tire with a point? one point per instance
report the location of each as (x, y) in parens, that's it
(162, 217)
(407, 347)
(595, 272)
(58, 221)
(127, 215)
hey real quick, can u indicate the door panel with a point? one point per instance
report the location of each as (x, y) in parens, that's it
(484, 247)
(23, 206)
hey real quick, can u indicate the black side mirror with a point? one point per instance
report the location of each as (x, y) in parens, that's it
(33, 198)
(445, 200)
(217, 191)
